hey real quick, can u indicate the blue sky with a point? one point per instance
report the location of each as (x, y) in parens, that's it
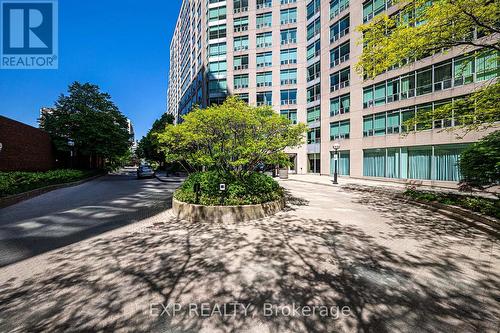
(120, 45)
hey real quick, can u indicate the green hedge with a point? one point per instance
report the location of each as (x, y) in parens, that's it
(18, 182)
(486, 206)
(255, 188)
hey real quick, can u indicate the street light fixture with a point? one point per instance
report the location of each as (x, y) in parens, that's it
(336, 147)
(71, 145)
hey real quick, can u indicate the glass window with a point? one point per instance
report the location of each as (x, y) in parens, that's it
(217, 49)
(288, 76)
(288, 96)
(241, 81)
(313, 71)
(288, 56)
(288, 36)
(314, 135)
(313, 7)
(424, 81)
(217, 31)
(313, 28)
(338, 6)
(380, 94)
(313, 50)
(393, 122)
(419, 162)
(374, 163)
(240, 43)
(487, 65)
(264, 98)
(288, 15)
(217, 13)
(240, 62)
(446, 160)
(264, 20)
(290, 115)
(314, 93)
(314, 163)
(379, 124)
(313, 114)
(240, 24)
(368, 97)
(265, 39)
(368, 125)
(264, 59)
(442, 76)
(343, 167)
(265, 79)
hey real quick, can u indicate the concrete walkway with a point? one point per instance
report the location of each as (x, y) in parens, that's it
(375, 264)
(71, 214)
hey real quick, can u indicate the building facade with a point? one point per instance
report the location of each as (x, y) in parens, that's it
(299, 57)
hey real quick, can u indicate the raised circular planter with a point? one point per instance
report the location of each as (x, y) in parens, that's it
(227, 214)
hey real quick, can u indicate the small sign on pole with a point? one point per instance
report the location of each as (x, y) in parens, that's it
(335, 157)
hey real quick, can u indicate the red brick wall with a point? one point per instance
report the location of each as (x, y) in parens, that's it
(24, 148)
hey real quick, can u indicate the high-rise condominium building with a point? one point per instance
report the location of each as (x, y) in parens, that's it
(299, 57)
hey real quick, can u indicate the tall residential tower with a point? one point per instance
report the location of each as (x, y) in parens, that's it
(299, 57)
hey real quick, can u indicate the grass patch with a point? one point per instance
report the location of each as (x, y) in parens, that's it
(486, 206)
(18, 181)
(255, 188)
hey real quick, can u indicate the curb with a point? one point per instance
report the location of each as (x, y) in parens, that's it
(17, 198)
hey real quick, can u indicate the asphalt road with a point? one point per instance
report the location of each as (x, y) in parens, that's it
(68, 215)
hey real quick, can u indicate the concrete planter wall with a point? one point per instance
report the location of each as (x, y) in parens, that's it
(227, 214)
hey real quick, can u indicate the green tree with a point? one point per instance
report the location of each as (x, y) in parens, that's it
(422, 28)
(480, 162)
(148, 147)
(232, 138)
(88, 117)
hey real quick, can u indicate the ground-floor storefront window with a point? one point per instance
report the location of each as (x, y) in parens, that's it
(314, 162)
(423, 162)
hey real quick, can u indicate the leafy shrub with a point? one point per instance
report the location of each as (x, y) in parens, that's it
(17, 182)
(486, 206)
(480, 162)
(254, 188)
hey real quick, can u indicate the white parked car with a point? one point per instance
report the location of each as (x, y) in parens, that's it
(145, 171)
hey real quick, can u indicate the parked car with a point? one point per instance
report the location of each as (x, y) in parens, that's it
(145, 171)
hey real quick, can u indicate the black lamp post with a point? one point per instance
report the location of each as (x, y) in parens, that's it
(336, 147)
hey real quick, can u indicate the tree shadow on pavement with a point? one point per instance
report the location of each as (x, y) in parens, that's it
(115, 283)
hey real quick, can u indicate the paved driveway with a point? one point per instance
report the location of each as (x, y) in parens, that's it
(68, 215)
(391, 267)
